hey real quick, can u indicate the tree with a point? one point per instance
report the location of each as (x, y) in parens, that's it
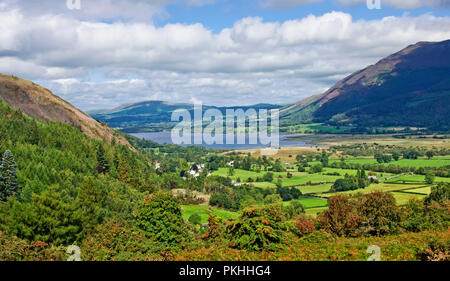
(230, 171)
(396, 155)
(8, 177)
(429, 177)
(47, 218)
(379, 157)
(316, 168)
(102, 163)
(361, 178)
(324, 158)
(379, 212)
(268, 177)
(341, 217)
(160, 218)
(123, 170)
(429, 154)
(88, 205)
(439, 193)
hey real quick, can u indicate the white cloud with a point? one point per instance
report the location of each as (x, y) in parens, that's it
(252, 61)
(401, 4)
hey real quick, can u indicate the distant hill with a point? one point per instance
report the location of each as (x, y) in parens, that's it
(43, 105)
(409, 88)
(154, 115)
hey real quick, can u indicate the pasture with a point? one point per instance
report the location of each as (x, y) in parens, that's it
(204, 212)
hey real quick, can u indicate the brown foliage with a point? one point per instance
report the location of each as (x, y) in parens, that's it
(341, 217)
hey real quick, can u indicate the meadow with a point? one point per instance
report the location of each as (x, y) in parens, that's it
(204, 212)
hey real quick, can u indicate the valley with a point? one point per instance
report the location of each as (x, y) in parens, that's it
(367, 162)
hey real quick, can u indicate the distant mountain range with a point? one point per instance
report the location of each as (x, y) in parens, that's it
(408, 88)
(155, 115)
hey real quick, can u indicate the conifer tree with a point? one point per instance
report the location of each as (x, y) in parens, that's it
(102, 163)
(88, 205)
(123, 170)
(8, 177)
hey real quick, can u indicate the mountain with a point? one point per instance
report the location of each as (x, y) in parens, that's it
(43, 105)
(408, 88)
(154, 115)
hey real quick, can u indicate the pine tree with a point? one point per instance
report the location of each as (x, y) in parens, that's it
(33, 134)
(123, 170)
(88, 205)
(8, 177)
(102, 163)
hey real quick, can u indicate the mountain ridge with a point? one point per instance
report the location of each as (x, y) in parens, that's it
(418, 74)
(41, 104)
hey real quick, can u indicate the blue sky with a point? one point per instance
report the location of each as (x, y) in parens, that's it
(223, 14)
(218, 52)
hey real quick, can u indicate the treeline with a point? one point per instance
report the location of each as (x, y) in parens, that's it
(366, 149)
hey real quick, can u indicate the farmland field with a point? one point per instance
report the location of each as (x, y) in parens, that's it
(310, 202)
(203, 211)
(437, 161)
(416, 178)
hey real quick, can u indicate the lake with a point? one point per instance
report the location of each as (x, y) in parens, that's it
(166, 138)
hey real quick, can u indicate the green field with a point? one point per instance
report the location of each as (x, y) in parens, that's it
(403, 198)
(416, 179)
(315, 189)
(436, 161)
(310, 202)
(297, 178)
(386, 187)
(203, 211)
(421, 190)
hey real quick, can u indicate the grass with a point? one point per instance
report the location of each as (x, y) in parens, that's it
(203, 211)
(297, 178)
(416, 179)
(310, 202)
(423, 190)
(403, 198)
(315, 189)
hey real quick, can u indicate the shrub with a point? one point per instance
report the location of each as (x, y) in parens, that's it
(304, 225)
(161, 219)
(258, 229)
(114, 241)
(437, 250)
(195, 219)
(216, 227)
(15, 249)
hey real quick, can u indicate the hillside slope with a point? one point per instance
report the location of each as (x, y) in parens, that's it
(408, 88)
(43, 105)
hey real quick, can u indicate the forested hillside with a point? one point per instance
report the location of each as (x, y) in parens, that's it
(66, 179)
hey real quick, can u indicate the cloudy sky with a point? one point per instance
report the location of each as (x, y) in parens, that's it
(219, 52)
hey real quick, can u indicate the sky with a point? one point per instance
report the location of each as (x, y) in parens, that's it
(215, 52)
